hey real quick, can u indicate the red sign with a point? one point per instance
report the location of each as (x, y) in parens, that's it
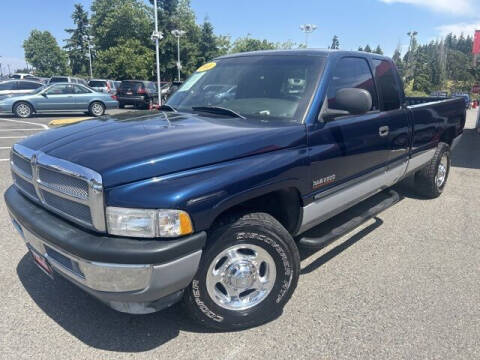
(476, 42)
(476, 89)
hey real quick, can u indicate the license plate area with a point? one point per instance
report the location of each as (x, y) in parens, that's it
(41, 262)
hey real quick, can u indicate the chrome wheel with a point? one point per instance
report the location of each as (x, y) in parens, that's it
(23, 110)
(241, 277)
(442, 171)
(97, 109)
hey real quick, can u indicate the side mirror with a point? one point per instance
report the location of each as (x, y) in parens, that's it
(44, 95)
(350, 101)
(355, 101)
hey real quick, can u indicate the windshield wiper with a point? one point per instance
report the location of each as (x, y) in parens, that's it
(217, 110)
(166, 107)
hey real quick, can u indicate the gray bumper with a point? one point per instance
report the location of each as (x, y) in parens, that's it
(130, 288)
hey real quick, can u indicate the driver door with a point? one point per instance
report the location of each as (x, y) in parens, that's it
(57, 98)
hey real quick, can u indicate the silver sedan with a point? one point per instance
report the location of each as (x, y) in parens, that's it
(59, 97)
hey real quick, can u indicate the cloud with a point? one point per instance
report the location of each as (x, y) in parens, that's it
(457, 29)
(457, 7)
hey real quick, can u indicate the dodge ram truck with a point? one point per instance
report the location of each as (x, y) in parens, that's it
(207, 200)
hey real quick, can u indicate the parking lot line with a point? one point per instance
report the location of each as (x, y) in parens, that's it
(12, 137)
(43, 126)
(20, 129)
(66, 121)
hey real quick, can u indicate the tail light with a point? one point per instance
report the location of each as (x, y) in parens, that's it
(114, 97)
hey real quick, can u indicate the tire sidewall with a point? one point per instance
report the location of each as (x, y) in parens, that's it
(286, 278)
(91, 107)
(444, 151)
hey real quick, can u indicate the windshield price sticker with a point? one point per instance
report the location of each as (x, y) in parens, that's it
(206, 67)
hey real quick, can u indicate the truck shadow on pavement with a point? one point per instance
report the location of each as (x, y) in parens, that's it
(98, 326)
(467, 152)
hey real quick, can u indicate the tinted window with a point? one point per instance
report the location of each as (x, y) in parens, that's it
(27, 85)
(152, 87)
(60, 90)
(58, 79)
(96, 83)
(16, 76)
(130, 84)
(78, 89)
(387, 84)
(10, 85)
(352, 73)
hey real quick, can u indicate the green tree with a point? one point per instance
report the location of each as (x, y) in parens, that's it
(360, 48)
(208, 43)
(44, 54)
(397, 59)
(130, 60)
(335, 43)
(367, 49)
(76, 46)
(113, 22)
(378, 50)
(246, 44)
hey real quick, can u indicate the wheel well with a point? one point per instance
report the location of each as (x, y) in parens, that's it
(448, 136)
(23, 101)
(98, 101)
(284, 205)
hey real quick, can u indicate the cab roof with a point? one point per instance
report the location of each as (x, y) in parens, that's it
(307, 52)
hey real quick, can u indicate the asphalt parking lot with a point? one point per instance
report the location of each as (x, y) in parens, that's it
(403, 286)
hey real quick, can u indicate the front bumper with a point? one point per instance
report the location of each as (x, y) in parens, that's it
(133, 276)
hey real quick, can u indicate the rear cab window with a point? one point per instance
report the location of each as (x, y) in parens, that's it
(352, 72)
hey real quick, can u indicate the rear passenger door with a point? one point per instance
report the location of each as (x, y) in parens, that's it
(394, 115)
(348, 147)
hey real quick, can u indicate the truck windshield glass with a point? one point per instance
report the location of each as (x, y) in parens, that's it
(269, 87)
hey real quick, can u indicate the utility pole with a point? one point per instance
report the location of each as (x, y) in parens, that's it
(157, 36)
(88, 38)
(1, 70)
(307, 29)
(178, 33)
(410, 65)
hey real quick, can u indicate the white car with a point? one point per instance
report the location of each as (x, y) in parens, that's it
(18, 87)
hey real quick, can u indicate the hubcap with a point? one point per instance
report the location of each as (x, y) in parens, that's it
(23, 110)
(97, 109)
(241, 277)
(442, 170)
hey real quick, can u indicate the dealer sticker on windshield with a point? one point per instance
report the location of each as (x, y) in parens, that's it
(207, 66)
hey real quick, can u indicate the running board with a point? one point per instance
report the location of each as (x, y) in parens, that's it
(331, 230)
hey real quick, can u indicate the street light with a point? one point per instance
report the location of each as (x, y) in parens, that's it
(308, 29)
(87, 38)
(1, 70)
(178, 33)
(157, 36)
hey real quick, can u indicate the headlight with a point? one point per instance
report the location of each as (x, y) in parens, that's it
(148, 223)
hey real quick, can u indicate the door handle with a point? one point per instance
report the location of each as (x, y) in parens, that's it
(383, 130)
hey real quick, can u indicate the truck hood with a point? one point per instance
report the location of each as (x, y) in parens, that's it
(132, 147)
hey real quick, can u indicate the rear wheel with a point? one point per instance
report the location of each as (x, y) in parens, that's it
(23, 110)
(96, 109)
(247, 274)
(431, 180)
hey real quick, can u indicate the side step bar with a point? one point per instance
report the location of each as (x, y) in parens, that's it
(343, 223)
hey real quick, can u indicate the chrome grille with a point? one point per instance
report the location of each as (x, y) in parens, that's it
(68, 189)
(63, 183)
(70, 208)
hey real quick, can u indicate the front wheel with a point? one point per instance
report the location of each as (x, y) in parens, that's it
(431, 180)
(96, 109)
(247, 274)
(23, 110)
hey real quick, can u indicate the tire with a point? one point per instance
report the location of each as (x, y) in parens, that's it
(252, 236)
(23, 110)
(431, 180)
(121, 106)
(96, 109)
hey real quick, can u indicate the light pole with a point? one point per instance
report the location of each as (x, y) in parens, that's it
(1, 70)
(308, 29)
(87, 38)
(411, 59)
(157, 36)
(178, 33)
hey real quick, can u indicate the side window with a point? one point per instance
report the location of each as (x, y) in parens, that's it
(80, 89)
(63, 89)
(388, 85)
(352, 73)
(8, 85)
(26, 85)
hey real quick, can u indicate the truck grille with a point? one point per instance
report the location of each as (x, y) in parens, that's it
(70, 190)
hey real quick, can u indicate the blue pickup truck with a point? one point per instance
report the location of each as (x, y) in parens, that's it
(208, 200)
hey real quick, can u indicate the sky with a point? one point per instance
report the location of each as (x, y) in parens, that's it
(355, 22)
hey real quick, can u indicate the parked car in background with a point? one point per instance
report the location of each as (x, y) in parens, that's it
(102, 85)
(67, 79)
(18, 87)
(22, 76)
(139, 93)
(59, 97)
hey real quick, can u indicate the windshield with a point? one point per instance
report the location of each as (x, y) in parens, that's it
(271, 87)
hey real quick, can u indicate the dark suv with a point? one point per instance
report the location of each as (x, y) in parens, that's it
(139, 93)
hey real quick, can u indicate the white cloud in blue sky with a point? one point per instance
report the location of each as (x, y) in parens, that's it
(458, 7)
